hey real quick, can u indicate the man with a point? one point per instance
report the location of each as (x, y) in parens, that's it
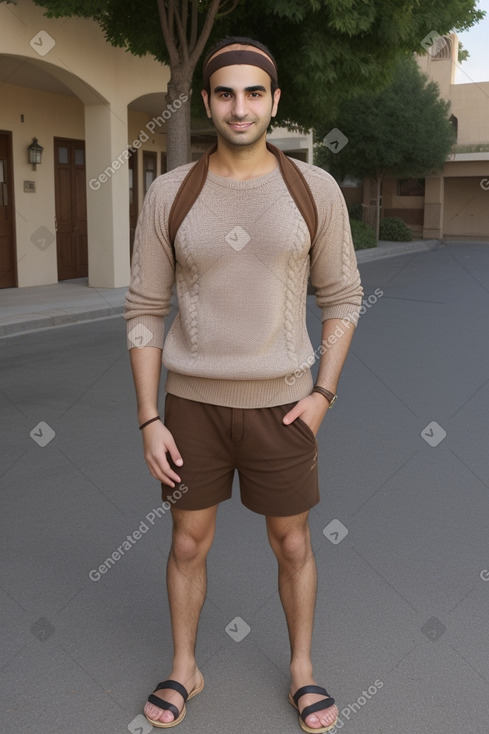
(243, 256)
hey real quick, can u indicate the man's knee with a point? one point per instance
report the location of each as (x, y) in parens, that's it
(192, 536)
(290, 543)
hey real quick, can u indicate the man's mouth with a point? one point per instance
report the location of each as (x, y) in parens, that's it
(240, 125)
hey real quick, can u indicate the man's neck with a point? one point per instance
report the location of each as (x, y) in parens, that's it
(242, 162)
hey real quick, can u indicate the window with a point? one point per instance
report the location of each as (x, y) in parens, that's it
(79, 157)
(149, 169)
(454, 123)
(410, 187)
(62, 155)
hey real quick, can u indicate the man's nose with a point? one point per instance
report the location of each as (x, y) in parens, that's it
(239, 107)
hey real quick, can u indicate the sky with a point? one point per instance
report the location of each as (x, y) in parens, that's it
(476, 41)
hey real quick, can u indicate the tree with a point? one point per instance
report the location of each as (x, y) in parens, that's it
(403, 130)
(329, 49)
(325, 49)
(175, 32)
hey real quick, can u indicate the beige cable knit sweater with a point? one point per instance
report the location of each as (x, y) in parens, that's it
(243, 260)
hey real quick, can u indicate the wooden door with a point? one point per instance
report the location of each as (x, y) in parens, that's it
(149, 168)
(8, 275)
(71, 208)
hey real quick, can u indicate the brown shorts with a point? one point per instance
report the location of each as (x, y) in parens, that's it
(276, 463)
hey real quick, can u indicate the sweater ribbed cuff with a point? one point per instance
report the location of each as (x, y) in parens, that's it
(346, 311)
(145, 331)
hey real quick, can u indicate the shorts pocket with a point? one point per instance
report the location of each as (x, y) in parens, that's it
(306, 428)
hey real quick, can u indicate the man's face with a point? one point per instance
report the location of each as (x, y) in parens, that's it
(240, 103)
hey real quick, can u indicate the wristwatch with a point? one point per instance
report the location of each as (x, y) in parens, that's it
(327, 394)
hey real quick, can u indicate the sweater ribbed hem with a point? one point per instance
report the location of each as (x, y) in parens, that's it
(240, 393)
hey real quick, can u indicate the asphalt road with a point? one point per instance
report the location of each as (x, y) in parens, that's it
(400, 537)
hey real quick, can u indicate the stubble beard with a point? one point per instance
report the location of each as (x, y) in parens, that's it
(258, 130)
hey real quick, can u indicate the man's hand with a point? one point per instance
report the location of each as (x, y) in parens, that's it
(310, 409)
(157, 440)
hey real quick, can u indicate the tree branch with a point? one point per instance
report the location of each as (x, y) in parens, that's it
(234, 4)
(181, 37)
(205, 32)
(167, 35)
(193, 27)
(184, 16)
(171, 20)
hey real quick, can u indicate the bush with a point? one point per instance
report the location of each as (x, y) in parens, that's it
(356, 212)
(363, 235)
(394, 229)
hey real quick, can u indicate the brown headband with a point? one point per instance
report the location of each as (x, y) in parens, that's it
(230, 58)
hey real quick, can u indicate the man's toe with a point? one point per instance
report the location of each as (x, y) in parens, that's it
(313, 721)
(157, 714)
(322, 718)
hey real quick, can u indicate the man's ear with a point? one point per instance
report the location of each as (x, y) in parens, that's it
(276, 98)
(205, 97)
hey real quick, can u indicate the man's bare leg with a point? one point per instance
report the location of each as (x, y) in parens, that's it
(297, 581)
(193, 533)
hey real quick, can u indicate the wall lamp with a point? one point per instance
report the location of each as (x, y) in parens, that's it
(35, 153)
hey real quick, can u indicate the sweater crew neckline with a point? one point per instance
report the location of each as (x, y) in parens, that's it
(249, 183)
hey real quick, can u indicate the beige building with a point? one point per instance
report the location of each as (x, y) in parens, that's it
(99, 115)
(453, 203)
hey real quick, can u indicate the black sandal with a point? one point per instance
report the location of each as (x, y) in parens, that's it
(319, 706)
(178, 715)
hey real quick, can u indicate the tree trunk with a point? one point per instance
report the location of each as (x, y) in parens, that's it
(185, 44)
(377, 212)
(177, 126)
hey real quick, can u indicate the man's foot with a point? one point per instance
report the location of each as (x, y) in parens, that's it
(193, 683)
(322, 720)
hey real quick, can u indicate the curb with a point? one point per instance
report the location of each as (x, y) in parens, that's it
(59, 318)
(390, 249)
(393, 249)
(52, 318)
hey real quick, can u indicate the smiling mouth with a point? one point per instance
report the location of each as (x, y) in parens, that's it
(240, 125)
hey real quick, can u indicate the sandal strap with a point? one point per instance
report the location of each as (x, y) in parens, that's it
(175, 686)
(309, 689)
(164, 705)
(319, 706)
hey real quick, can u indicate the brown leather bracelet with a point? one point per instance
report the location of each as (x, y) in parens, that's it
(325, 393)
(151, 420)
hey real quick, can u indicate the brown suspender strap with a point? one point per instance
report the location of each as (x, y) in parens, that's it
(194, 181)
(189, 190)
(298, 189)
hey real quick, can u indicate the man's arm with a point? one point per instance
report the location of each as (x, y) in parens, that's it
(334, 274)
(313, 407)
(157, 439)
(336, 340)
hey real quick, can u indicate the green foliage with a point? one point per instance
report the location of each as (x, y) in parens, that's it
(463, 54)
(363, 235)
(393, 229)
(326, 49)
(402, 129)
(355, 212)
(472, 148)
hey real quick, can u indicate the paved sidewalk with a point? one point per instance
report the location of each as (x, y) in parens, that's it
(23, 310)
(43, 306)
(400, 536)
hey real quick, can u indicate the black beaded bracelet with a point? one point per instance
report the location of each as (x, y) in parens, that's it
(151, 420)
